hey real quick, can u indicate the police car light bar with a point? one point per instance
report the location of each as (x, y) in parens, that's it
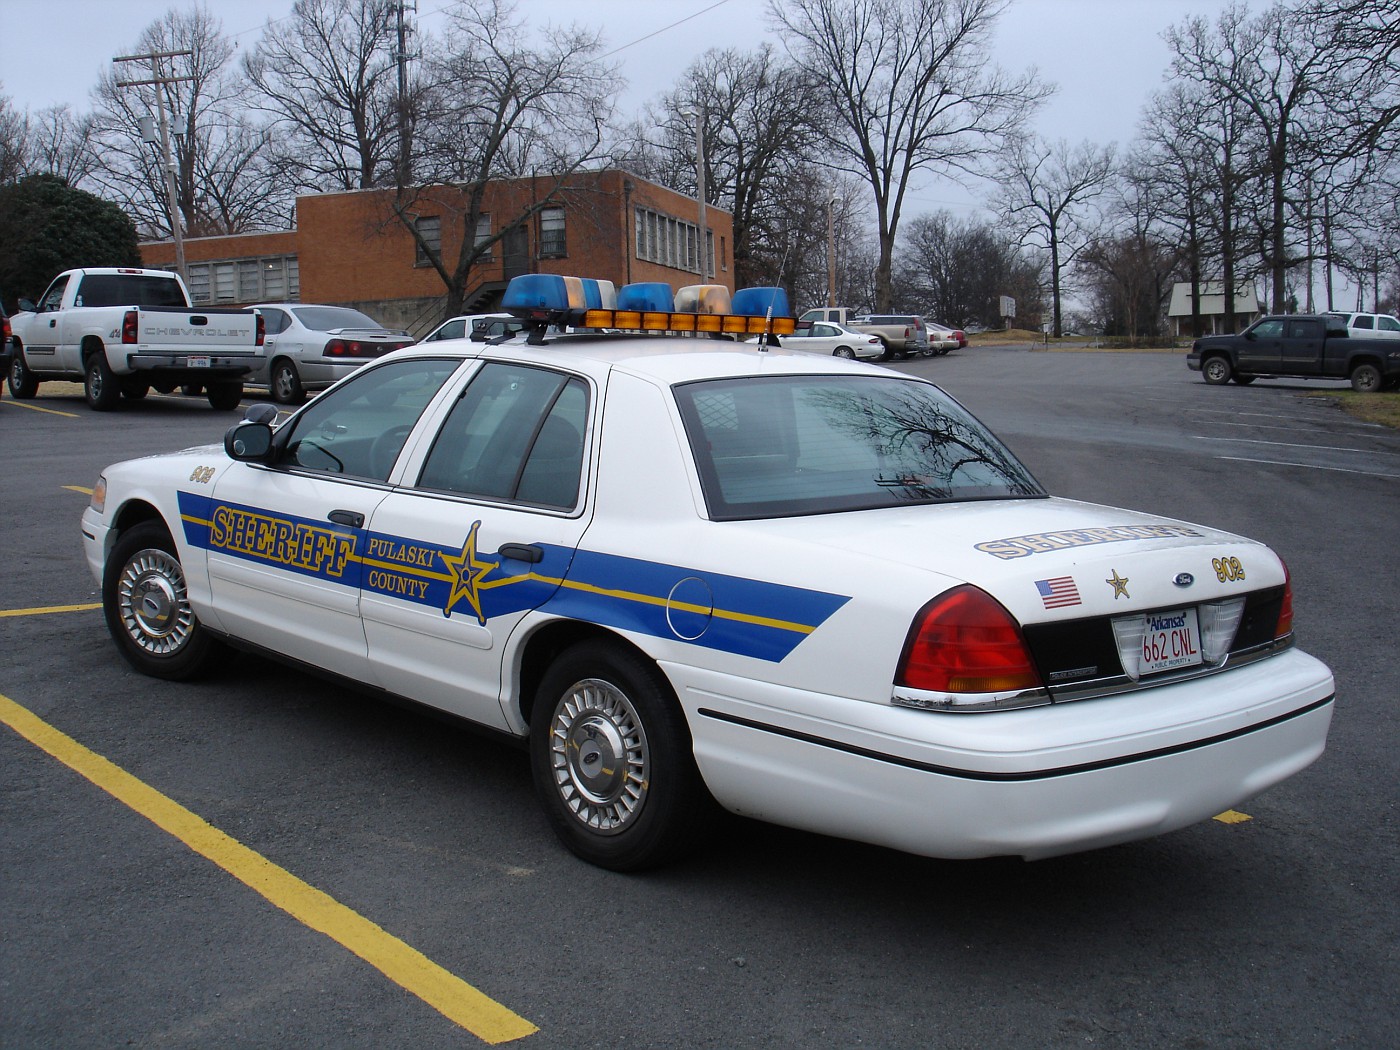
(546, 299)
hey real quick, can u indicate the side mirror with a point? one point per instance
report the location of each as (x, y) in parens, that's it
(249, 441)
(261, 412)
(1250, 334)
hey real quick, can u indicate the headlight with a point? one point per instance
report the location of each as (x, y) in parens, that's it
(99, 494)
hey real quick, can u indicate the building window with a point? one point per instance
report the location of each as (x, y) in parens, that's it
(429, 228)
(244, 280)
(483, 234)
(672, 242)
(552, 232)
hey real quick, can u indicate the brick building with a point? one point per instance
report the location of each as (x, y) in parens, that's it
(350, 249)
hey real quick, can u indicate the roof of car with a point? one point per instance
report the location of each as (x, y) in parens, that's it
(663, 359)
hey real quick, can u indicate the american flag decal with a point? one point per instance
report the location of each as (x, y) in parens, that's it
(1059, 592)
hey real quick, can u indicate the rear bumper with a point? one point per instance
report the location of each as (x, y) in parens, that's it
(1032, 783)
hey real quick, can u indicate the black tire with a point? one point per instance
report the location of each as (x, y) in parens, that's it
(20, 380)
(147, 606)
(1216, 370)
(843, 351)
(225, 396)
(101, 387)
(1366, 378)
(284, 384)
(134, 390)
(612, 760)
(1243, 380)
(192, 389)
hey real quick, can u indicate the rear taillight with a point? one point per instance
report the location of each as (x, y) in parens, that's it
(340, 348)
(129, 327)
(1284, 627)
(262, 330)
(964, 641)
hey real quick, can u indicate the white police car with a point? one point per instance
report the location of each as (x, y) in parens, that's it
(688, 570)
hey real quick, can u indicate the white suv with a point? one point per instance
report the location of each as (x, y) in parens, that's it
(1383, 326)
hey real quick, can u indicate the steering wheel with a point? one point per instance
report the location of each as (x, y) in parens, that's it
(386, 449)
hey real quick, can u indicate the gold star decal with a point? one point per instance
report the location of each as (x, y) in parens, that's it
(1119, 584)
(467, 570)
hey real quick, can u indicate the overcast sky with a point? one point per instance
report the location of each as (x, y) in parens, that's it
(1106, 56)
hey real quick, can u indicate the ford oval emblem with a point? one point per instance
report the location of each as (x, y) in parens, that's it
(1184, 579)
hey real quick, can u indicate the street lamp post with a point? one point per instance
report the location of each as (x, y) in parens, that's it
(831, 202)
(159, 82)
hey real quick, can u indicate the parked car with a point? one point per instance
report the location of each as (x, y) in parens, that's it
(943, 338)
(904, 335)
(480, 327)
(1382, 326)
(838, 340)
(689, 573)
(5, 349)
(311, 347)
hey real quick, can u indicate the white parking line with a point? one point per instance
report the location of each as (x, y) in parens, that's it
(1294, 444)
(1310, 466)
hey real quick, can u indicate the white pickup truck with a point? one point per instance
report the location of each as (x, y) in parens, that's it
(122, 331)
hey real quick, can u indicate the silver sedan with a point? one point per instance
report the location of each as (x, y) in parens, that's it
(827, 337)
(312, 347)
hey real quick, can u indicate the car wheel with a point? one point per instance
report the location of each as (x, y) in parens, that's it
(843, 351)
(147, 606)
(612, 760)
(1366, 378)
(285, 384)
(100, 386)
(1216, 370)
(21, 381)
(224, 397)
(1243, 380)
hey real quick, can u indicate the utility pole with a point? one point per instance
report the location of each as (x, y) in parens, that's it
(160, 81)
(401, 58)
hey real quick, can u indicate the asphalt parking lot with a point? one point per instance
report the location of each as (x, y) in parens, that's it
(330, 870)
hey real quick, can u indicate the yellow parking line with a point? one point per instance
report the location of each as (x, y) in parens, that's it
(37, 408)
(456, 1000)
(1231, 816)
(51, 609)
(78, 488)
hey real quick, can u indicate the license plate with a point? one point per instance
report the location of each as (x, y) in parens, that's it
(199, 362)
(1158, 641)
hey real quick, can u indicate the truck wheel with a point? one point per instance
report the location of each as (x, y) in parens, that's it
(224, 397)
(134, 391)
(147, 606)
(612, 759)
(1366, 378)
(285, 385)
(100, 386)
(1216, 370)
(21, 381)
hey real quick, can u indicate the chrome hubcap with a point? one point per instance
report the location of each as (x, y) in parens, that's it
(598, 752)
(154, 604)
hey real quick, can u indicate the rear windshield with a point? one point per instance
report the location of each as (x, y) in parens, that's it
(330, 318)
(129, 289)
(788, 445)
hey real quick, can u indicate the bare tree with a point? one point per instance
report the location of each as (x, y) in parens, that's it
(761, 117)
(1045, 192)
(500, 104)
(328, 78)
(956, 270)
(904, 96)
(212, 133)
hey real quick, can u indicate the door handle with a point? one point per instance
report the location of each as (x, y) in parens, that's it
(353, 518)
(530, 552)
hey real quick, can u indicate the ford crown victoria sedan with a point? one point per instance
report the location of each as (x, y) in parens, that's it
(691, 574)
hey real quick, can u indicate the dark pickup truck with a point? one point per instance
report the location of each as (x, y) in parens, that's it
(1307, 346)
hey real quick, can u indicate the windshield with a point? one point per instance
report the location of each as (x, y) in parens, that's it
(788, 445)
(329, 318)
(129, 289)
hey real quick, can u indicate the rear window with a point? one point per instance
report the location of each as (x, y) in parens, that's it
(331, 318)
(790, 445)
(129, 289)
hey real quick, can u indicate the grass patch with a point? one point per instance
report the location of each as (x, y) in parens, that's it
(1383, 408)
